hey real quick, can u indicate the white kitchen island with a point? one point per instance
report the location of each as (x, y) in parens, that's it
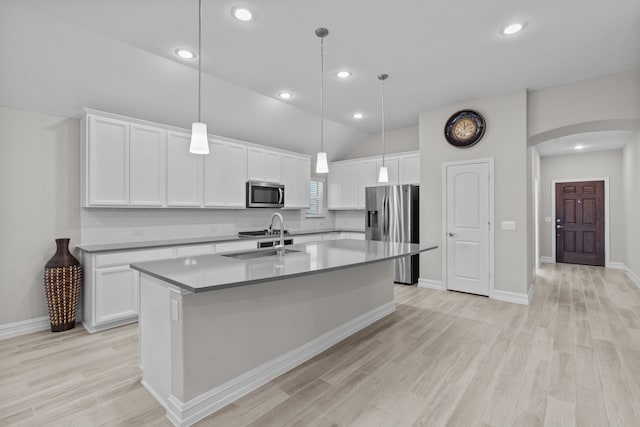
(215, 327)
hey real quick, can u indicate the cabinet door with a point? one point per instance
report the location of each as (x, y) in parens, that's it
(108, 156)
(334, 187)
(409, 169)
(184, 172)
(350, 185)
(264, 165)
(304, 176)
(225, 175)
(215, 192)
(273, 162)
(290, 181)
(147, 166)
(256, 164)
(236, 175)
(116, 294)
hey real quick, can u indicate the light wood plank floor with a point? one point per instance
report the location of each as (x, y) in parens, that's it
(570, 358)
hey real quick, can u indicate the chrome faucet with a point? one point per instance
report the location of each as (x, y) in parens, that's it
(279, 247)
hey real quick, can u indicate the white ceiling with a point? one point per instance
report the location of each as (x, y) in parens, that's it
(118, 55)
(590, 141)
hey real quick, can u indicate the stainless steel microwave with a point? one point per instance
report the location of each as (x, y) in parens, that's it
(265, 195)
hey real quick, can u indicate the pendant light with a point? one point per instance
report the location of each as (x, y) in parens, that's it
(384, 175)
(199, 143)
(321, 160)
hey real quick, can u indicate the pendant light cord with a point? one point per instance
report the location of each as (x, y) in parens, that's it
(382, 78)
(322, 94)
(199, 58)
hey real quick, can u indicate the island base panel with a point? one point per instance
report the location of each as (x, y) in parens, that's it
(228, 342)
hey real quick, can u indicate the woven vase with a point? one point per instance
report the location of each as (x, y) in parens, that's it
(62, 282)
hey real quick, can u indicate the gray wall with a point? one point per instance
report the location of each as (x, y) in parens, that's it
(506, 141)
(585, 166)
(40, 188)
(395, 141)
(631, 176)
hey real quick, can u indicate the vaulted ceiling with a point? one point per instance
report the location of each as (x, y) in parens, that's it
(118, 55)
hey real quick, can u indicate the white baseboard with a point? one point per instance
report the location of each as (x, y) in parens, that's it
(24, 327)
(633, 277)
(546, 260)
(508, 296)
(431, 284)
(187, 413)
(617, 265)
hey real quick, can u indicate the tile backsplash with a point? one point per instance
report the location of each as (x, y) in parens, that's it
(349, 219)
(111, 225)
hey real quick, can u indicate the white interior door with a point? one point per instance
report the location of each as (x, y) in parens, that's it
(467, 227)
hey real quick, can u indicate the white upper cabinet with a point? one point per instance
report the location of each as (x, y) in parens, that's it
(225, 175)
(133, 163)
(107, 170)
(349, 178)
(184, 172)
(351, 185)
(334, 186)
(147, 166)
(409, 168)
(264, 165)
(296, 174)
(344, 185)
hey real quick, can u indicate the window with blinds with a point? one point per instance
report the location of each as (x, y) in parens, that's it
(316, 198)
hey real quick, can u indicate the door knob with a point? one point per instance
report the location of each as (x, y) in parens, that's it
(559, 226)
(452, 234)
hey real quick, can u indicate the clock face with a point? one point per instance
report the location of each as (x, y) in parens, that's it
(464, 128)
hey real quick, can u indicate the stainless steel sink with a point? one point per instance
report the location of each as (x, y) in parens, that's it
(257, 254)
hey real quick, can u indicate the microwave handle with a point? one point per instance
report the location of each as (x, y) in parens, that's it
(280, 196)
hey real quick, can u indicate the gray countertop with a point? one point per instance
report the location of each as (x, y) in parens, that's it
(110, 247)
(211, 272)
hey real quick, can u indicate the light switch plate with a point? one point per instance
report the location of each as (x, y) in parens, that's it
(547, 219)
(509, 225)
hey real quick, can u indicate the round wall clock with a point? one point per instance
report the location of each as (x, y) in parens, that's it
(464, 128)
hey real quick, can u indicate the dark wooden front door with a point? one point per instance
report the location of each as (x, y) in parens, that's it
(580, 222)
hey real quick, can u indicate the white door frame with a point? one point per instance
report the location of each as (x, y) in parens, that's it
(607, 255)
(489, 162)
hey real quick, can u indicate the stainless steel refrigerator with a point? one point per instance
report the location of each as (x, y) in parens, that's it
(393, 216)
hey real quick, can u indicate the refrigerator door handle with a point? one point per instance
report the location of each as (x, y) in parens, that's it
(386, 216)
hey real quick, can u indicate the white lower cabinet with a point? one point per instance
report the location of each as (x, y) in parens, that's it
(111, 288)
(116, 290)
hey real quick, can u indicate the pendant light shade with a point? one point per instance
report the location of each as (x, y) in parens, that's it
(321, 161)
(199, 143)
(383, 177)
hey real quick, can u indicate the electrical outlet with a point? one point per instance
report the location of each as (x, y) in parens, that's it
(547, 219)
(508, 225)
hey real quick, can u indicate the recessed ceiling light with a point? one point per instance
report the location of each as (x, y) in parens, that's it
(185, 54)
(285, 95)
(343, 74)
(242, 14)
(512, 29)
(358, 115)
(578, 147)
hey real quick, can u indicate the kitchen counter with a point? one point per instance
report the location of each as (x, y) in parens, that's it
(211, 272)
(200, 351)
(110, 247)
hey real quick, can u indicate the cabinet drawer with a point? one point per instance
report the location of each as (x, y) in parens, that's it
(244, 245)
(124, 258)
(194, 250)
